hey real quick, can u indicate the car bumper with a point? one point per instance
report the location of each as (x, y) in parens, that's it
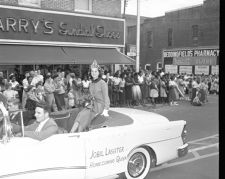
(182, 150)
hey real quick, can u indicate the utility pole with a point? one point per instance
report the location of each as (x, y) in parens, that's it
(124, 7)
(138, 36)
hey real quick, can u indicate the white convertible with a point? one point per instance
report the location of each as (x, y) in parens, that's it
(129, 142)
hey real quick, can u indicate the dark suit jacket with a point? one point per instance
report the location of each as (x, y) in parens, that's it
(49, 128)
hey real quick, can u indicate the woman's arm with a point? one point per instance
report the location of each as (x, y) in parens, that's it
(105, 95)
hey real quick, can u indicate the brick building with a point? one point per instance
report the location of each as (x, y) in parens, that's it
(190, 28)
(60, 32)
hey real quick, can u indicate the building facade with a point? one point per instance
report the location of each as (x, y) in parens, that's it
(59, 32)
(191, 28)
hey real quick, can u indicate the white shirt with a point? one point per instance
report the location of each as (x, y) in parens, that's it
(10, 94)
(195, 84)
(116, 80)
(140, 79)
(25, 83)
(161, 74)
(14, 84)
(40, 78)
(34, 81)
(86, 84)
(41, 124)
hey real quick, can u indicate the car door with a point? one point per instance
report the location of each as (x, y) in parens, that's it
(106, 151)
(59, 156)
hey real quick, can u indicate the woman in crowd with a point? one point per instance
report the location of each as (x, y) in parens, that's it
(189, 88)
(181, 84)
(99, 101)
(77, 88)
(85, 85)
(9, 93)
(195, 84)
(162, 89)
(25, 86)
(128, 89)
(141, 81)
(2, 82)
(122, 89)
(109, 82)
(214, 86)
(59, 92)
(136, 90)
(203, 90)
(173, 92)
(154, 91)
(145, 92)
(116, 83)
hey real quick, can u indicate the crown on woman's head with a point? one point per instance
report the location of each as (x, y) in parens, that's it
(95, 64)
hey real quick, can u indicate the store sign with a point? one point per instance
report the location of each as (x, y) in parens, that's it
(185, 69)
(202, 70)
(194, 60)
(21, 25)
(215, 69)
(210, 52)
(171, 69)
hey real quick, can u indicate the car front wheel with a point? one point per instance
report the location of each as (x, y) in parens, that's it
(139, 164)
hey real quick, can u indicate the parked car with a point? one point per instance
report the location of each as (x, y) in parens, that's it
(129, 142)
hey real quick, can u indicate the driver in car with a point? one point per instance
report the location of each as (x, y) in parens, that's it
(42, 128)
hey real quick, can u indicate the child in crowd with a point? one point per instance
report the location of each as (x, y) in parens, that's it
(196, 100)
(85, 85)
(71, 101)
(9, 93)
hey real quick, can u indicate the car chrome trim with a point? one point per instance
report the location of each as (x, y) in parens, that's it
(43, 170)
(183, 146)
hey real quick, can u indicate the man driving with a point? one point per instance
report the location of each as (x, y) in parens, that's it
(42, 128)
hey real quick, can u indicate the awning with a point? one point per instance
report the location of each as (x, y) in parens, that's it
(24, 54)
(83, 55)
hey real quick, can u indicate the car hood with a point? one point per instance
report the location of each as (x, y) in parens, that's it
(140, 116)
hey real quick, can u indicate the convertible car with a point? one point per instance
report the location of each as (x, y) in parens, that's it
(128, 143)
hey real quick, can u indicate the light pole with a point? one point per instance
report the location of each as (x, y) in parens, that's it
(138, 36)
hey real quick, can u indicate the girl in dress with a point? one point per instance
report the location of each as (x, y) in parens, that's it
(122, 89)
(154, 92)
(162, 85)
(71, 101)
(128, 89)
(173, 91)
(116, 82)
(9, 93)
(99, 101)
(136, 90)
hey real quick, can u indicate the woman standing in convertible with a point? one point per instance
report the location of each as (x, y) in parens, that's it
(99, 101)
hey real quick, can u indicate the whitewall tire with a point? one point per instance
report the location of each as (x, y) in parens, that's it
(138, 164)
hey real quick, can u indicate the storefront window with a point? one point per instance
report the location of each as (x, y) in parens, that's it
(150, 39)
(195, 31)
(170, 37)
(34, 3)
(83, 5)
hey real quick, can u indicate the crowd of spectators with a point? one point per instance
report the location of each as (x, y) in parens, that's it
(65, 90)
